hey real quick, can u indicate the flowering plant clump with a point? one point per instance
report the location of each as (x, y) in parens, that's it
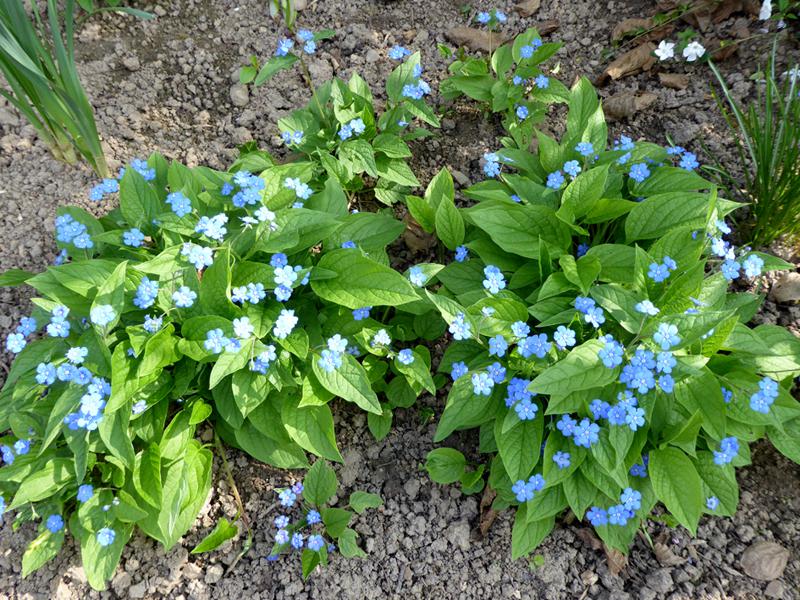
(317, 525)
(340, 131)
(249, 299)
(289, 50)
(511, 83)
(597, 346)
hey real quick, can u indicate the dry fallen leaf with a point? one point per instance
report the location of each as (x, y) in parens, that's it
(639, 59)
(765, 560)
(488, 514)
(548, 27)
(528, 7)
(626, 104)
(719, 52)
(589, 538)
(475, 39)
(665, 556)
(632, 24)
(675, 81)
(726, 9)
(615, 560)
(416, 238)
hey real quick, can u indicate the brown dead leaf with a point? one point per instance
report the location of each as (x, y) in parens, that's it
(528, 7)
(475, 39)
(634, 61)
(615, 560)
(548, 27)
(588, 537)
(626, 104)
(665, 556)
(726, 9)
(675, 81)
(632, 24)
(488, 514)
(721, 52)
(416, 238)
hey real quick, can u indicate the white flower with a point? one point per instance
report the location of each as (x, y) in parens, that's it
(766, 10)
(665, 50)
(693, 51)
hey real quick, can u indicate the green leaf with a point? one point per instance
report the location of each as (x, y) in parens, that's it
(44, 482)
(465, 409)
(311, 427)
(703, 393)
(361, 501)
(581, 369)
(360, 156)
(677, 485)
(380, 425)
(350, 382)
(223, 531)
(445, 465)
(147, 475)
(44, 548)
(449, 224)
(348, 545)
(519, 443)
(335, 520)
(273, 66)
(719, 481)
(14, 277)
(138, 201)
(112, 292)
(418, 372)
(396, 170)
(656, 215)
(527, 535)
(320, 483)
(354, 281)
(391, 145)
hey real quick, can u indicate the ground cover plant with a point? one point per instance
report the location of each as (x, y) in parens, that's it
(196, 298)
(596, 345)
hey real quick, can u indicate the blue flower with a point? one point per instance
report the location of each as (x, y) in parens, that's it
(139, 407)
(497, 372)
(398, 52)
(564, 338)
(281, 537)
(638, 470)
(665, 362)
(597, 516)
(462, 253)
(585, 149)
(753, 265)
(595, 316)
(667, 336)
(146, 293)
(381, 338)
(555, 180)
(727, 395)
(517, 80)
(15, 343)
(520, 329)
(287, 498)
(102, 314)
(522, 112)
(537, 345)
(133, 237)
(712, 502)
(498, 346)
(297, 540)
(666, 383)
(417, 276)
(315, 542)
(658, 272)
(140, 166)
(85, 492)
(491, 167)
(215, 341)
(634, 418)
(494, 281)
(199, 256)
(482, 384)
(460, 328)
(566, 425)
(728, 449)
(646, 307)
(7, 454)
(730, 269)
(152, 324)
(583, 304)
(624, 158)
(542, 82)
(213, 227)
(180, 204)
(105, 537)
(483, 17)
(500, 16)
(55, 523)
(284, 47)
(562, 459)
(359, 314)
(312, 518)
(639, 172)
(624, 143)
(184, 297)
(586, 433)
(526, 410)
(329, 360)
(572, 168)
(526, 51)
(458, 369)
(405, 356)
(77, 355)
(284, 324)
(618, 515)
(45, 373)
(689, 162)
(631, 499)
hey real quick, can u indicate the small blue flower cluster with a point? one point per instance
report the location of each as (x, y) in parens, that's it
(731, 267)
(290, 535)
(460, 327)
(491, 166)
(688, 160)
(518, 396)
(249, 192)
(625, 412)
(418, 90)
(179, 203)
(20, 448)
(762, 400)
(285, 276)
(15, 342)
(331, 357)
(301, 190)
(107, 186)
(526, 490)
(592, 313)
(398, 52)
(728, 449)
(630, 501)
(659, 272)
(354, 127)
(70, 231)
(494, 281)
(585, 434)
(491, 17)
